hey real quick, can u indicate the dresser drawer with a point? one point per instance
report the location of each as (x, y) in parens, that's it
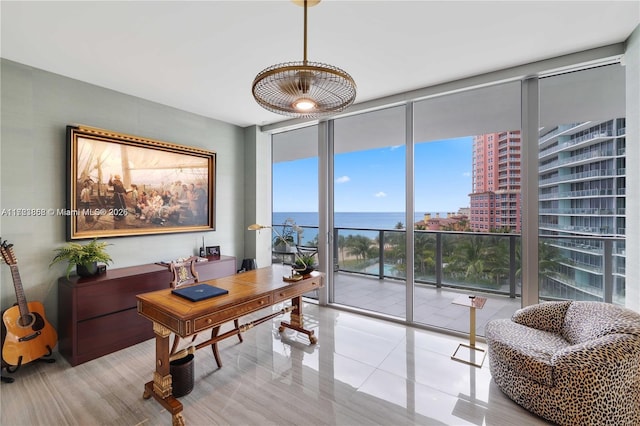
(224, 315)
(297, 290)
(104, 298)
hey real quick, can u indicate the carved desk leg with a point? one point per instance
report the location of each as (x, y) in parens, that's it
(297, 321)
(177, 420)
(160, 388)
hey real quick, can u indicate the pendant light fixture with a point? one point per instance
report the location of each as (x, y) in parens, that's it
(304, 89)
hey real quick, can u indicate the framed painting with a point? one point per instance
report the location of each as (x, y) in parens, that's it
(123, 185)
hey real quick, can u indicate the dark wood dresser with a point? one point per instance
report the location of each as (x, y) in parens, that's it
(98, 315)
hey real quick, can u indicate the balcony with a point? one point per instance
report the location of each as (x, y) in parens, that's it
(370, 272)
(432, 305)
(586, 157)
(549, 136)
(578, 212)
(589, 175)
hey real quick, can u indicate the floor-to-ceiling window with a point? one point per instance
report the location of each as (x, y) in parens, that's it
(466, 169)
(582, 181)
(295, 194)
(369, 211)
(467, 186)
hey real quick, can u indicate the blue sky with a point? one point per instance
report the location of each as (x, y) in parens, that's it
(374, 180)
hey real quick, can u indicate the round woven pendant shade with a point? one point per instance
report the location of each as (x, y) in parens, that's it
(324, 88)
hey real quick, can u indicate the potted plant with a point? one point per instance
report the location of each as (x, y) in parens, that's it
(305, 263)
(284, 241)
(84, 257)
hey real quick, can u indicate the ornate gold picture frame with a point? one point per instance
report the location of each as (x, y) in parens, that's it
(124, 185)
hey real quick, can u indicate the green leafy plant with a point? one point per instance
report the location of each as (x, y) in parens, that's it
(305, 261)
(78, 254)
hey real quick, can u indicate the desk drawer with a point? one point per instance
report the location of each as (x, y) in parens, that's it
(297, 290)
(234, 312)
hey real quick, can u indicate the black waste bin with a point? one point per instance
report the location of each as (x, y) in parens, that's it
(249, 264)
(181, 371)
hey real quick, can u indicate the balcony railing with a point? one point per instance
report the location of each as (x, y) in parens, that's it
(591, 155)
(584, 138)
(481, 262)
(557, 131)
(578, 176)
(578, 211)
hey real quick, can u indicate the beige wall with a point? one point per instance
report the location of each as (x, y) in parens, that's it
(36, 108)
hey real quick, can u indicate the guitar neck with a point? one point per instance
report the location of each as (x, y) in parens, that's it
(17, 284)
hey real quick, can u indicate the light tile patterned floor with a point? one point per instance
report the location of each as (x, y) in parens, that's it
(362, 371)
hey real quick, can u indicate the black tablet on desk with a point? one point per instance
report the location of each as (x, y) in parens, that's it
(199, 292)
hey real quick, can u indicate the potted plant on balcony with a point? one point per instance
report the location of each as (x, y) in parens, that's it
(284, 241)
(84, 257)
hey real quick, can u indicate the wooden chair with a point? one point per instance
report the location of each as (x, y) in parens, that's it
(184, 273)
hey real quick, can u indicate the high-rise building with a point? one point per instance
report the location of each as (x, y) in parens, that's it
(582, 196)
(495, 200)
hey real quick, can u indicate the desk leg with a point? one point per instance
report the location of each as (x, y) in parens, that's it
(297, 321)
(214, 346)
(160, 387)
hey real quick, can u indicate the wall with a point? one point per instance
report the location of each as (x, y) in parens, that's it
(36, 108)
(257, 194)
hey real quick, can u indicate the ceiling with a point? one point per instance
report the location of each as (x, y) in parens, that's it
(202, 56)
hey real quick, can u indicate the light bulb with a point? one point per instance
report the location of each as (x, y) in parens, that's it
(304, 104)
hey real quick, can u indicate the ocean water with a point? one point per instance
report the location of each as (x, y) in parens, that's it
(357, 220)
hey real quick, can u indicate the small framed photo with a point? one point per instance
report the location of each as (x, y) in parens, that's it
(213, 251)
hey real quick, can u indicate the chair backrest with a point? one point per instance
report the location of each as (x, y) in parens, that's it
(307, 250)
(183, 272)
(586, 321)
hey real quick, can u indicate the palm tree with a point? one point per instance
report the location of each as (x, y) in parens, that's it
(498, 262)
(358, 245)
(425, 253)
(549, 258)
(469, 258)
(341, 245)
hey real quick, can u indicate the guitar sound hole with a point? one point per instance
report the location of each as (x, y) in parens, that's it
(26, 320)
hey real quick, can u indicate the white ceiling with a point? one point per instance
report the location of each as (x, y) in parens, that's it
(202, 56)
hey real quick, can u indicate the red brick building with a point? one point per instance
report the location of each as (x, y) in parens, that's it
(495, 200)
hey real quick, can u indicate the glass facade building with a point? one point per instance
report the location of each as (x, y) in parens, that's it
(582, 196)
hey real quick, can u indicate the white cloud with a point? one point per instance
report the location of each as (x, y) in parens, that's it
(380, 194)
(343, 179)
(466, 174)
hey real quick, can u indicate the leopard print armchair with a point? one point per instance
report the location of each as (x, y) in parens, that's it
(573, 363)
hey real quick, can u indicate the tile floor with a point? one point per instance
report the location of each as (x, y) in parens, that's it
(363, 371)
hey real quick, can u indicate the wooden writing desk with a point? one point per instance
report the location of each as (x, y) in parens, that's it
(248, 292)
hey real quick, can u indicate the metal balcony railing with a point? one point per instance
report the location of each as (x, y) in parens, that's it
(486, 262)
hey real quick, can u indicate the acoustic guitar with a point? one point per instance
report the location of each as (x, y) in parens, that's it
(27, 335)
